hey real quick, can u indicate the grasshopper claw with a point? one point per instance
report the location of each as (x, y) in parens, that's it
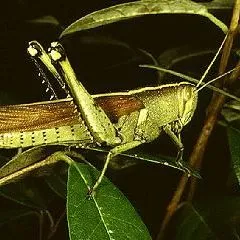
(188, 169)
(90, 194)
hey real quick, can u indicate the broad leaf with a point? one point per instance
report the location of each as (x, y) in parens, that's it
(216, 218)
(140, 8)
(107, 215)
(193, 225)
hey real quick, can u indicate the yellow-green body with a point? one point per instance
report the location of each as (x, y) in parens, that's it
(165, 108)
(163, 105)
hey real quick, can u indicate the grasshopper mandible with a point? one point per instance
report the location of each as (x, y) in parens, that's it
(121, 120)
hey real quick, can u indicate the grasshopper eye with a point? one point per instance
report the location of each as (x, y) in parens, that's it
(187, 104)
(187, 94)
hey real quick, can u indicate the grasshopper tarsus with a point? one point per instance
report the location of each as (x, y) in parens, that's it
(91, 193)
(184, 165)
(188, 169)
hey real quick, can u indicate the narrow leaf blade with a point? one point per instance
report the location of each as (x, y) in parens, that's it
(137, 9)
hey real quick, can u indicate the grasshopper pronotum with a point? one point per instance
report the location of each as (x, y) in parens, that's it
(120, 120)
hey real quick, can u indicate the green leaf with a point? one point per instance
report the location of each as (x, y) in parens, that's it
(45, 20)
(193, 225)
(215, 218)
(138, 9)
(216, 5)
(231, 111)
(23, 160)
(107, 215)
(27, 161)
(234, 140)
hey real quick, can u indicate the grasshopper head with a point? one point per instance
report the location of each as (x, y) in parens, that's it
(187, 98)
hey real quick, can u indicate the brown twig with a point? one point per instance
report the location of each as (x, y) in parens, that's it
(54, 228)
(41, 217)
(217, 101)
(199, 149)
(233, 29)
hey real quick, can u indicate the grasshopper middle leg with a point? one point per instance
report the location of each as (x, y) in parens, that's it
(112, 153)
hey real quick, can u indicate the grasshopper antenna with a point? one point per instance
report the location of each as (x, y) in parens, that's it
(194, 80)
(217, 78)
(200, 82)
(211, 63)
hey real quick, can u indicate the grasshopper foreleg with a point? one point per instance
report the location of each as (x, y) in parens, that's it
(176, 138)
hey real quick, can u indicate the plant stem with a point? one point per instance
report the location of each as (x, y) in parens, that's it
(199, 148)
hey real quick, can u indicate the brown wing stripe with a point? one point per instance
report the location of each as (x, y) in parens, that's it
(117, 106)
(37, 116)
(30, 117)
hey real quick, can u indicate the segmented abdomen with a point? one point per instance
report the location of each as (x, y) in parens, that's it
(28, 125)
(74, 134)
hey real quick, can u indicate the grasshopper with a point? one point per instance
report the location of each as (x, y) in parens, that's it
(121, 121)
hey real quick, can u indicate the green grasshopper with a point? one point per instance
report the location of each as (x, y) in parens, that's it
(122, 120)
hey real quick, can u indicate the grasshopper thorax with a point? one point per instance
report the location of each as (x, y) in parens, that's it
(169, 103)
